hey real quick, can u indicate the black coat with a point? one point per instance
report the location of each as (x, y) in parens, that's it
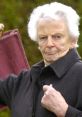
(23, 93)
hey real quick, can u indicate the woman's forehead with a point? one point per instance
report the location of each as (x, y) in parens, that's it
(51, 25)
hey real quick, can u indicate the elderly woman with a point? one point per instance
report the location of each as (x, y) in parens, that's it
(52, 87)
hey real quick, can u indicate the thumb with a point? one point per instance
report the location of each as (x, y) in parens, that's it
(45, 88)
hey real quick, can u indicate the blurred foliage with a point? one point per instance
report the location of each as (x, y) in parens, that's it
(5, 112)
(15, 14)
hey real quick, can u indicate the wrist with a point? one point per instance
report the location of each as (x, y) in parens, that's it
(63, 111)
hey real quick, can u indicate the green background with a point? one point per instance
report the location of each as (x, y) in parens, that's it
(15, 14)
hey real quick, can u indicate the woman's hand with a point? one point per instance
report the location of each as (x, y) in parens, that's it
(1, 29)
(54, 101)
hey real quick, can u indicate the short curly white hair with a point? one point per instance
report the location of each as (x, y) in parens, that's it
(54, 10)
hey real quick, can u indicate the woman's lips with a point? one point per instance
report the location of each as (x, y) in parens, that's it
(49, 53)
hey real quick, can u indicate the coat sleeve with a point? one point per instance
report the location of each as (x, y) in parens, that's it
(73, 112)
(9, 87)
(77, 110)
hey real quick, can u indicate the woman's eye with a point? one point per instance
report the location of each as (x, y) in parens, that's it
(56, 36)
(43, 38)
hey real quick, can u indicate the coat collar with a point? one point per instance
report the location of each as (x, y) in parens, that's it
(61, 66)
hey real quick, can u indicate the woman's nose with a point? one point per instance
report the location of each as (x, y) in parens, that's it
(49, 42)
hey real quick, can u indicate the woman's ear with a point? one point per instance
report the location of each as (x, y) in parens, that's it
(38, 47)
(74, 42)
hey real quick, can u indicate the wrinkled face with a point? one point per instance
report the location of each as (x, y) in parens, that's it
(53, 39)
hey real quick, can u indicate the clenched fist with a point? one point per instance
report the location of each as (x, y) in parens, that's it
(54, 101)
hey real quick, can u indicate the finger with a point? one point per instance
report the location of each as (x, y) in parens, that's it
(1, 29)
(1, 26)
(46, 87)
(51, 85)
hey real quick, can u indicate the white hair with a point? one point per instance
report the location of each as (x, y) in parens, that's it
(54, 10)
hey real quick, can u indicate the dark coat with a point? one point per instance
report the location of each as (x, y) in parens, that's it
(23, 93)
